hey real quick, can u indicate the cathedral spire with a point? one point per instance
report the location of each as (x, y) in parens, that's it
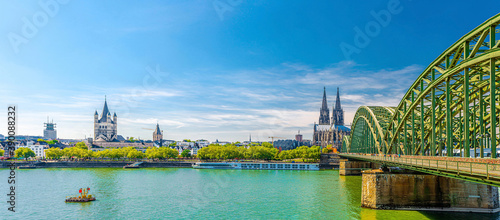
(338, 113)
(337, 101)
(324, 114)
(324, 105)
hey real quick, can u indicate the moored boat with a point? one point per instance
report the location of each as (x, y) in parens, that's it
(257, 166)
(29, 166)
(133, 166)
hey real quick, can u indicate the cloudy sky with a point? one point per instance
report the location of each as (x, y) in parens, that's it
(215, 69)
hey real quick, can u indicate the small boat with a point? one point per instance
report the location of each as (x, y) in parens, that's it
(133, 166)
(29, 166)
(84, 196)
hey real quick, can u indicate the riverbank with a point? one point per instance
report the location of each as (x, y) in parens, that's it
(327, 161)
(100, 164)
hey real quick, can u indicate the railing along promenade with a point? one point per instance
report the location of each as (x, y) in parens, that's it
(479, 170)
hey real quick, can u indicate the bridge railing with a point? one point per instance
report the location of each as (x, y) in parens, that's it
(476, 170)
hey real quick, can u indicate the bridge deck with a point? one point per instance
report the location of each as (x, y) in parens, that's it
(485, 171)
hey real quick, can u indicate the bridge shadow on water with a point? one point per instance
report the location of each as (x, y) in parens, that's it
(461, 215)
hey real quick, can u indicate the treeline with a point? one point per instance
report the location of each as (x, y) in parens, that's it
(51, 142)
(116, 153)
(266, 152)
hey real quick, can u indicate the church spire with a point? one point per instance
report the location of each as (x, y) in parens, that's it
(324, 105)
(324, 114)
(338, 113)
(337, 101)
(105, 110)
(158, 131)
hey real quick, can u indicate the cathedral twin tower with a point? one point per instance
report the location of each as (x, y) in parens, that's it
(337, 114)
(326, 133)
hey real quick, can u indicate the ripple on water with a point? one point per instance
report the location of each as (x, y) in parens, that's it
(189, 193)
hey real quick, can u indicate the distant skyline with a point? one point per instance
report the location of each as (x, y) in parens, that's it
(211, 70)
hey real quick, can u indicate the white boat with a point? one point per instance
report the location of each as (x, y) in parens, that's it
(257, 166)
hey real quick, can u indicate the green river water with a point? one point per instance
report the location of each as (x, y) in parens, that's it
(184, 193)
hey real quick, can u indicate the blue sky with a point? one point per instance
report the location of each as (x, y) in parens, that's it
(215, 69)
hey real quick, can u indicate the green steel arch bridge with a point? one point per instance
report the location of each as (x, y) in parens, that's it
(448, 120)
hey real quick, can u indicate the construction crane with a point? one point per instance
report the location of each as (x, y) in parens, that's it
(272, 139)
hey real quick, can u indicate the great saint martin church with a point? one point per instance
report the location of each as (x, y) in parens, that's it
(105, 128)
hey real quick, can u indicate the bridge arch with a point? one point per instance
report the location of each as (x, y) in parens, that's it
(453, 104)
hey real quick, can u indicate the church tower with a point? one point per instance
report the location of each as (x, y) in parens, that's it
(105, 128)
(324, 114)
(157, 134)
(338, 113)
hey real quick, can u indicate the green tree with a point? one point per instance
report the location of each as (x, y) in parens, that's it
(103, 153)
(131, 139)
(186, 153)
(52, 142)
(135, 154)
(153, 153)
(41, 140)
(123, 152)
(81, 145)
(24, 152)
(268, 145)
(53, 153)
(172, 144)
(2, 152)
(169, 152)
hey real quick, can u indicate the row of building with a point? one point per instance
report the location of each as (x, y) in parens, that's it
(329, 131)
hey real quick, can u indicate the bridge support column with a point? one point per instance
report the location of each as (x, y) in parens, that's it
(354, 168)
(426, 192)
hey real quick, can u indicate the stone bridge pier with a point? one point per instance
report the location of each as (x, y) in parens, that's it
(354, 168)
(416, 191)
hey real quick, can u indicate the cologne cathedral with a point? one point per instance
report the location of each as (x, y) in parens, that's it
(332, 132)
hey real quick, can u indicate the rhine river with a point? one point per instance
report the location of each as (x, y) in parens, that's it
(183, 193)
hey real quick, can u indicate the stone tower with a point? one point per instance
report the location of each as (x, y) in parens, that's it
(157, 134)
(338, 113)
(105, 128)
(324, 115)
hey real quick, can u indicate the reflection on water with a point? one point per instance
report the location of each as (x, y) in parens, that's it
(188, 193)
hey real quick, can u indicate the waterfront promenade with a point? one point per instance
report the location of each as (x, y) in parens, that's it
(101, 164)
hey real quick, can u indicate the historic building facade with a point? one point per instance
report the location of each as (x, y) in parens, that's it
(105, 128)
(332, 132)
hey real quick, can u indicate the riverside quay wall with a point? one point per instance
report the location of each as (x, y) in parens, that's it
(329, 161)
(354, 168)
(100, 164)
(426, 192)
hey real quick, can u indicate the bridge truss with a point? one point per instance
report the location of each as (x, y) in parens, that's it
(454, 104)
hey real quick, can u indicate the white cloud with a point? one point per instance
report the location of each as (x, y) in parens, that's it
(270, 102)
